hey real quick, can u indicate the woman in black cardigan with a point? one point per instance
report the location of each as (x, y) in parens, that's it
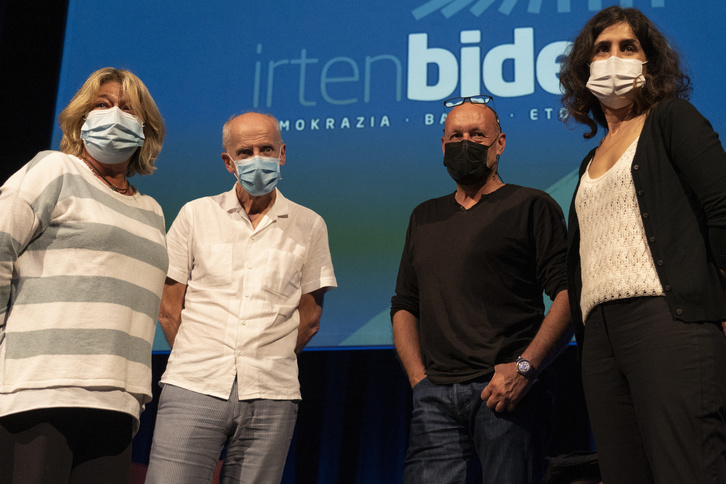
(647, 257)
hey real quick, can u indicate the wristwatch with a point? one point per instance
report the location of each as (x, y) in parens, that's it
(525, 368)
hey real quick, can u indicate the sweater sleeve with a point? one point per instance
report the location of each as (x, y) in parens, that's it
(17, 223)
(699, 158)
(179, 245)
(27, 201)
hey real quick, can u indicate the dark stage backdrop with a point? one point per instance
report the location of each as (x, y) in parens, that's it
(352, 424)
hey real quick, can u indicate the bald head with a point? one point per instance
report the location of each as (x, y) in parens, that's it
(481, 115)
(247, 123)
(474, 122)
(251, 134)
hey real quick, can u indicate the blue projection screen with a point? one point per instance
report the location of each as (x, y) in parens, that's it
(358, 89)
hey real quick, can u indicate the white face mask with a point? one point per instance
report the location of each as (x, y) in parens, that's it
(611, 80)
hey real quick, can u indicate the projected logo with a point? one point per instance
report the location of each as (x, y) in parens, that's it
(449, 8)
(437, 63)
(473, 67)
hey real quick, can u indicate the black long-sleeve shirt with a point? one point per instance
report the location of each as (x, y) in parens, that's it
(474, 278)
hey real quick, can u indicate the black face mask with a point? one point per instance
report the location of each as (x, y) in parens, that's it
(466, 161)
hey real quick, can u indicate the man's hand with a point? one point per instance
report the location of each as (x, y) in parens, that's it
(310, 309)
(405, 338)
(415, 379)
(506, 388)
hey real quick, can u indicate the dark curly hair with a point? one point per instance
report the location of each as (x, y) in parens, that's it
(664, 77)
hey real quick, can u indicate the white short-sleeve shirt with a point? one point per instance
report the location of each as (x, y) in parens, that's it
(240, 316)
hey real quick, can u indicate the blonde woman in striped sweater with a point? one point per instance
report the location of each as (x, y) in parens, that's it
(82, 265)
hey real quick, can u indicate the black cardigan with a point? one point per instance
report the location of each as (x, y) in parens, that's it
(679, 172)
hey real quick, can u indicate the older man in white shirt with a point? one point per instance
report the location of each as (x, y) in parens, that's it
(244, 293)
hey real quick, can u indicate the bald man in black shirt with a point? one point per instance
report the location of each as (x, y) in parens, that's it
(468, 316)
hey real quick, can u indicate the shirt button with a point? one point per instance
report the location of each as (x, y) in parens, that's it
(660, 262)
(679, 311)
(645, 215)
(667, 288)
(635, 167)
(641, 192)
(651, 238)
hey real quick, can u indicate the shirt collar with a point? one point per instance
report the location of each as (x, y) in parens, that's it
(281, 207)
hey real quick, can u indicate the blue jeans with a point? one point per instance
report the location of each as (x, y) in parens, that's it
(192, 429)
(451, 427)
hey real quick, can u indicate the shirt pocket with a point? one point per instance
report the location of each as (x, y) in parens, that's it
(283, 273)
(214, 266)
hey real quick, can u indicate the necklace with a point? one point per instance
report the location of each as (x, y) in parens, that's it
(122, 191)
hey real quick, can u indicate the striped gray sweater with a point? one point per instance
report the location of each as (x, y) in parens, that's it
(81, 274)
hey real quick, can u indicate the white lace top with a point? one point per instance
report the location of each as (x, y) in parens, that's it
(616, 260)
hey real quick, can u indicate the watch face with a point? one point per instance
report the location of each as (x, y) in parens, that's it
(524, 366)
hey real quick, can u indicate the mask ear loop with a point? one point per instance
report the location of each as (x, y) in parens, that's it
(497, 138)
(497, 172)
(499, 125)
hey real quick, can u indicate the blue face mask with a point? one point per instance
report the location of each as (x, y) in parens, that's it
(112, 136)
(258, 175)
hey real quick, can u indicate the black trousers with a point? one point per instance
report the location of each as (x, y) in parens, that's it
(656, 394)
(65, 445)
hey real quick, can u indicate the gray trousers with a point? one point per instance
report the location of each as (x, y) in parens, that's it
(193, 428)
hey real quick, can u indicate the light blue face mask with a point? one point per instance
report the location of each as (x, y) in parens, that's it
(258, 175)
(112, 136)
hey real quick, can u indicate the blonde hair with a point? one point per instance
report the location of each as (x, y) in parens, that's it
(73, 116)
